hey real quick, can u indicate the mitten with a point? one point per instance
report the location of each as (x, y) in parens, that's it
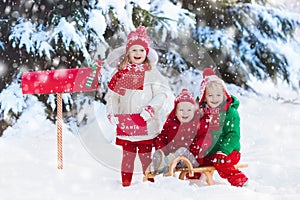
(112, 119)
(221, 157)
(147, 113)
(138, 120)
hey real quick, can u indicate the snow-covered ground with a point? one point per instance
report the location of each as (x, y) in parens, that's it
(270, 145)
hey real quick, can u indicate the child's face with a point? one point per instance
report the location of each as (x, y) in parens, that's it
(137, 54)
(185, 111)
(214, 96)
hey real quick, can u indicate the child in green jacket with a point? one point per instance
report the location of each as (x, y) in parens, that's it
(224, 126)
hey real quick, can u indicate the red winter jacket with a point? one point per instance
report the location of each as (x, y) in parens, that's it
(193, 135)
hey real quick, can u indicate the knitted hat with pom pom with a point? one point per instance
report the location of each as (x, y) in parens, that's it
(209, 75)
(184, 96)
(138, 37)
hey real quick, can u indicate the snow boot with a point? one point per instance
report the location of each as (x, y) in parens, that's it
(157, 165)
(126, 178)
(169, 159)
(160, 163)
(183, 151)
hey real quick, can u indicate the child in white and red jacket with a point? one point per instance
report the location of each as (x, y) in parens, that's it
(136, 100)
(183, 134)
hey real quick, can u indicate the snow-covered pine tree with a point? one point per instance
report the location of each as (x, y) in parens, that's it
(40, 35)
(27, 29)
(244, 38)
(236, 36)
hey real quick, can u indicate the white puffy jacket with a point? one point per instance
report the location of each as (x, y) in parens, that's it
(156, 93)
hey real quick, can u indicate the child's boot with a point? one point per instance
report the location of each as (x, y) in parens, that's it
(157, 165)
(169, 159)
(126, 178)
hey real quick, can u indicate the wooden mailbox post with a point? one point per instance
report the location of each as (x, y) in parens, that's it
(58, 82)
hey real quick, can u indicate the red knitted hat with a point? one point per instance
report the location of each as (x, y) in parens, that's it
(185, 96)
(138, 37)
(208, 72)
(209, 75)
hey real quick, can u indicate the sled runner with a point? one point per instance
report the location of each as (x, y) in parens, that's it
(208, 171)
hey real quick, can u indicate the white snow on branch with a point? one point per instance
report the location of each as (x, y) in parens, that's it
(11, 99)
(22, 33)
(67, 33)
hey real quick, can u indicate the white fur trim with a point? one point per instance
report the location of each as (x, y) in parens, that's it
(208, 79)
(114, 56)
(152, 56)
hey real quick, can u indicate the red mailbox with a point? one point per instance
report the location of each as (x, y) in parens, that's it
(59, 81)
(62, 81)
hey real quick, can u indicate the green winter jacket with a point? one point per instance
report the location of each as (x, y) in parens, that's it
(227, 138)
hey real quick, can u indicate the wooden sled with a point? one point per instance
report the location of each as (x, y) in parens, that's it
(208, 171)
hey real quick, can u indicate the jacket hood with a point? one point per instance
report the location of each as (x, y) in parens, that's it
(235, 102)
(208, 77)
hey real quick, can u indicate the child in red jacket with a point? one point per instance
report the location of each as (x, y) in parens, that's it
(181, 135)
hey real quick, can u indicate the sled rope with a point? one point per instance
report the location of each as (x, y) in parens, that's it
(59, 132)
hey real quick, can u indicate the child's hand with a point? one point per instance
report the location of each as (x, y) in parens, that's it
(112, 119)
(221, 157)
(147, 113)
(201, 112)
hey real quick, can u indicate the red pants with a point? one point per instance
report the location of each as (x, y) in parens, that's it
(130, 149)
(227, 170)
